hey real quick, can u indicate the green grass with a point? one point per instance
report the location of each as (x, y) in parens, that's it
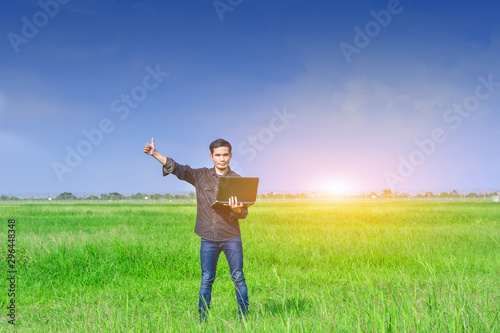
(310, 267)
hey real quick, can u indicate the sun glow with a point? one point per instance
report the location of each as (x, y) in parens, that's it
(337, 187)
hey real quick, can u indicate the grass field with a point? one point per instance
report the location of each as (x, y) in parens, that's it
(310, 267)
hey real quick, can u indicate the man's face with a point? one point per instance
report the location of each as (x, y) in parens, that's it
(221, 158)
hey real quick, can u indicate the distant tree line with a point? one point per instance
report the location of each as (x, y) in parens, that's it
(272, 195)
(7, 198)
(118, 196)
(109, 196)
(385, 194)
(388, 194)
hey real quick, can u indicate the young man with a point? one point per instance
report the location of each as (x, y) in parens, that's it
(218, 226)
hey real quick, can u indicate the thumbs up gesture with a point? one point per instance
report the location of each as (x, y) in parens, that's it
(150, 147)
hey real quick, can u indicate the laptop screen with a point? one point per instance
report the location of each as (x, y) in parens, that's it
(243, 188)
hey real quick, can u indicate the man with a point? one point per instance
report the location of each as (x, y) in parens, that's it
(217, 226)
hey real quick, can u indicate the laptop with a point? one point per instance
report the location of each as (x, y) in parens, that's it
(243, 188)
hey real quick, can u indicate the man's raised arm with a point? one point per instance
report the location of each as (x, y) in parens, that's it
(151, 150)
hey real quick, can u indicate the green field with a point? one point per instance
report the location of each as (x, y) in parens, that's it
(310, 267)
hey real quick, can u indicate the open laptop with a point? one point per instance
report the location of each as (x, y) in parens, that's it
(243, 188)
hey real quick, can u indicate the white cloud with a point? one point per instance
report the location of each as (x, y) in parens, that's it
(34, 109)
(12, 141)
(365, 101)
(30, 109)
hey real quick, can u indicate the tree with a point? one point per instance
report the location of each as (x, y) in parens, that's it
(429, 194)
(115, 196)
(66, 196)
(386, 193)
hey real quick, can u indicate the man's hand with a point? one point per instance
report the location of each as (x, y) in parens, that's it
(235, 205)
(150, 148)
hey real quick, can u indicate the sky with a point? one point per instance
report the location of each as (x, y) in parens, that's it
(349, 97)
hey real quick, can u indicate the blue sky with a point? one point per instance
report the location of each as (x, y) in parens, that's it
(318, 95)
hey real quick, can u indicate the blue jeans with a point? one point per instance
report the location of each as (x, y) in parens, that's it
(209, 255)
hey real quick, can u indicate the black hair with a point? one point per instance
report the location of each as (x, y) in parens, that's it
(219, 143)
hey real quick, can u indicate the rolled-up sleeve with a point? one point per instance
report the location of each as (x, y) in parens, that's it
(168, 168)
(242, 215)
(214, 221)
